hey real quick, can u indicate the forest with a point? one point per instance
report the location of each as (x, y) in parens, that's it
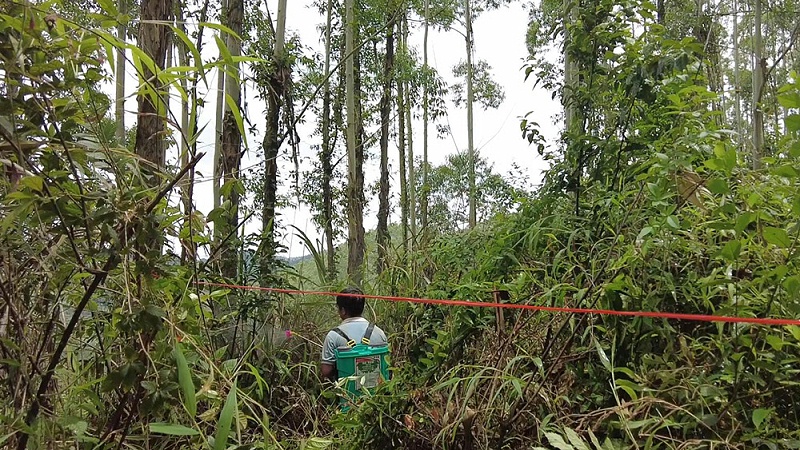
(138, 313)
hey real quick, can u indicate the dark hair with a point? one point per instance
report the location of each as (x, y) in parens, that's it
(353, 306)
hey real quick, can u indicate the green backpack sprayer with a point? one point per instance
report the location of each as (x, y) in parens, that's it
(361, 366)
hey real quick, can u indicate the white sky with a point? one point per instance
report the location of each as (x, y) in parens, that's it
(499, 39)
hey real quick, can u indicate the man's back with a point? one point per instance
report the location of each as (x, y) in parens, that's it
(354, 328)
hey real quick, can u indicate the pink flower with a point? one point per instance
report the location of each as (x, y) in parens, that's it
(288, 334)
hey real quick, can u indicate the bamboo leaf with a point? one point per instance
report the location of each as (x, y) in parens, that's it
(218, 27)
(225, 420)
(198, 60)
(172, 429)
(185, 381)
(237, 115)
(224, 53)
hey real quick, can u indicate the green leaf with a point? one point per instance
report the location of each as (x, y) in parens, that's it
(219, 27)
(224, 53)
(775, 342)
(185, 380)
(673, 222)
(731, 251)
(172, 429)
(225, 420)
(316, 443)
(786, 171)
(792, 286)
(789, 100)
(715, 164)
(108, 7)
(793, 123)
(718, 186)
(33, 183)
(645, 231)
(557, 441)
(603, 357)
(795, 330)
(794, 149)
(198, 60)
(575, 440)
(759, 416)
(777, 236)
(594, 440)
(744, 219)
(237, 115)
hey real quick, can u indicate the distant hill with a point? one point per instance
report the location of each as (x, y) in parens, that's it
(293, 261)
(306, 266)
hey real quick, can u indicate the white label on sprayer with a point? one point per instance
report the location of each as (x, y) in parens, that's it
(368, 371)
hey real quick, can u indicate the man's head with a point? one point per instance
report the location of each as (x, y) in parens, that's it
(349, 305)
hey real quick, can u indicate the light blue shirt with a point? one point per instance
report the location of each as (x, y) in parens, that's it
(354, 328)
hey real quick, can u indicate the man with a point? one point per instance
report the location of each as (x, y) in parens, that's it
(353, 326)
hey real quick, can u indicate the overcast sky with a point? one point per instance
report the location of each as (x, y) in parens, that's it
(499, 39)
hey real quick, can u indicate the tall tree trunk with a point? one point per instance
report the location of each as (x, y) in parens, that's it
(412, 177)
(401, 147)
(470, 132)
(661, 12)
(187, 187)
(271, 144)
(758, 84)
(423, 203)
(386, 108)
(571, 114)
(232, 146)
(119, 106)
(355, 193)
(737, 82)
(154, 38)
(327, 153)
(217, 163)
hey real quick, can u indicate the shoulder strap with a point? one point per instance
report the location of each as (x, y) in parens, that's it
(368, 334)
(350, 343)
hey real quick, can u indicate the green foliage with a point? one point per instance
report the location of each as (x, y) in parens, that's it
(487, 92)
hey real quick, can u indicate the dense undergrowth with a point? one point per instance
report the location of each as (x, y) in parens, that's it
(107, 342)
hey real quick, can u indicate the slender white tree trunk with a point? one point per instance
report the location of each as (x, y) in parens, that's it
(470, 131)
(327, 152)
(217, 174)
(737, 82)
(758, 85)
(412, 177)
(425, 119)
(119, 106)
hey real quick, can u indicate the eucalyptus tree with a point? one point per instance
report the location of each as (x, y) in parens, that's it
(382, 230)
(231, 143)
(449, 201)
(469, 10)
(355, 152)
(278, 80)
(218, 116)
(119, 76)
(439, 15)
(326, 153)
(426, 9)
(759, 64)
(154, 38)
